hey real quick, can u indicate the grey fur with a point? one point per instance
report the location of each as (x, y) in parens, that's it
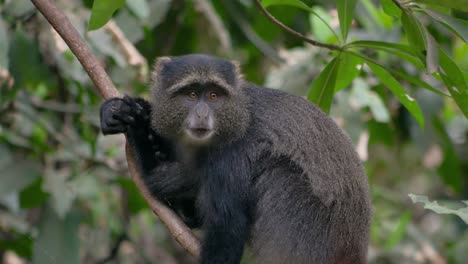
(309, 189)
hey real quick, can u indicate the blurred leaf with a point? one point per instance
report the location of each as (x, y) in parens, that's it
(348, 69)
(17, 175)
(4, 41)
(455, 80)
(102, 12)
(18, 8)
(58, 240)
(397, 235)
(319, 21)
(33, 196)
(26, 66)
(432, 52)
(62, 193)
(457, 26)
(436, 207)
(323, 87)
(450, 169)
(345, 15)
(364, 97)
(390, 8)
(455, 4)
(378, 16)
(19, 243)
(395, 87)
(139, 7)
(295, 3)
(135, 201)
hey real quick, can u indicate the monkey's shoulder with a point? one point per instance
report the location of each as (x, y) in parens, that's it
(293, 128)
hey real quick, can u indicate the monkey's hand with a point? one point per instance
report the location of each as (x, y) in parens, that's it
(118, 115)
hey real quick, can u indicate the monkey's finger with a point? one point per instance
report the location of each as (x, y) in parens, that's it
(127, 119)
(110, 130)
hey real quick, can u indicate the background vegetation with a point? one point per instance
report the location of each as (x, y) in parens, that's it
(395, 78)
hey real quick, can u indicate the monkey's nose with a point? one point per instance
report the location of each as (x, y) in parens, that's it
(202, 110)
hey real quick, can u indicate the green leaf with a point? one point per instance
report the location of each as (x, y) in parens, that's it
(102, 12)
(457, 26)
(390, 8)
(436, 207)
(323, 88)
(348, 69)
(345, 15)
(397, 235)
(395, 87)
(403, 51)
(455, 4)
(417, 82)
(294, 3)
(414, 30)
(454, 78)
(58, 240)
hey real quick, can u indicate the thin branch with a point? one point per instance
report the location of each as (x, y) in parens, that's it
(250, 34)
(294, 32)
(107, 89)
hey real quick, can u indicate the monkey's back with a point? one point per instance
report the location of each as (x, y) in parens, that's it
(313, 198)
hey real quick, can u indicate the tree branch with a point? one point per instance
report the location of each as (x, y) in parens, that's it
(294, 32)
(107, 90)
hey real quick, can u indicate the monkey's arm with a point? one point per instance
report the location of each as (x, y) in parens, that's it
(154, 155)
(226, 212)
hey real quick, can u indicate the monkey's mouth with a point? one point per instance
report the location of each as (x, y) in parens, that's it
(200, 133)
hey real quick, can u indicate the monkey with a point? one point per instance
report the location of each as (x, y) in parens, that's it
(249, 165)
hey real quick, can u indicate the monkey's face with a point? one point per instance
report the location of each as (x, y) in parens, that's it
(200, 114)
(198, 101)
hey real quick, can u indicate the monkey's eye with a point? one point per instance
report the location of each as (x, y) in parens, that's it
(192, 95)
(213, 96)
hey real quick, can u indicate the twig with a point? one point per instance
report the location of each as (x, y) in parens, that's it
(106, 88)
(294, 32)
(250, 34)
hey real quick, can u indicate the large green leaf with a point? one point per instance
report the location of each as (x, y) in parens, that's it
(323, 87)
(414, 30)
(454, 78)
(102, 12)
(345, 15)
(455, 4)
(390, 8)
(395, 87)
(295, 3)
(348, 69)
(436, 207)
(403, 51)
(457, 26)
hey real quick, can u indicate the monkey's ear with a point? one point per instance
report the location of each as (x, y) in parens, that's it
(158, 65)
